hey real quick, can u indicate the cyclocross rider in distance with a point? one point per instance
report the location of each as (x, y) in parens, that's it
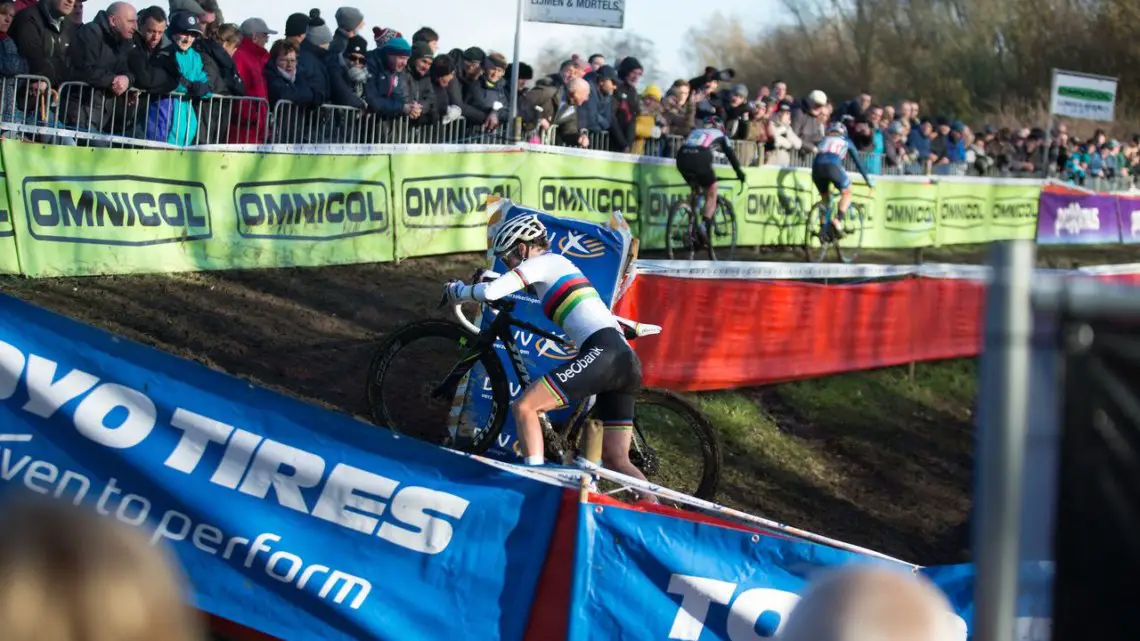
(606, 366)
(695, 159)
(827, 170)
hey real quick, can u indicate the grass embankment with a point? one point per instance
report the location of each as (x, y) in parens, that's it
(874, 458)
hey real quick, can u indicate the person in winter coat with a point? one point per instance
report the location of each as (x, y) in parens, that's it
(348, 74)
(12, 64)
(384, 92)
(283, 78)
(310, 73)
(172, 119)
(150, 74)
(314, 49)
(488, 93)
(445, 90)
(627, 107)
(597, 115)
(43, 35)
(418, 88)
(349, 22)
(99, 58)
(217, 56)
(249, 123)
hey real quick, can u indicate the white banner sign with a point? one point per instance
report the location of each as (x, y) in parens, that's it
(1078, 95)
(588, 13)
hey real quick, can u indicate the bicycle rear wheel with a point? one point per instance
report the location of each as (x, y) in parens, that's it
(436, 356)
(675, 445)
(679, 241)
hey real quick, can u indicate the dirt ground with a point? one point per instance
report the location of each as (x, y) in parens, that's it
(310, 332)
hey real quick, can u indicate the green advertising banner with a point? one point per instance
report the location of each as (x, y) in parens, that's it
(964, 212)
(9, 259)
(1013, 215)
(903, 213)
(440, 199)
(586, 188)
(95, 211)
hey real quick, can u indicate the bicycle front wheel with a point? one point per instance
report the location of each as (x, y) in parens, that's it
(426, 370)
(818, 222)
(723, 232)
(679, 241)
(675, 445)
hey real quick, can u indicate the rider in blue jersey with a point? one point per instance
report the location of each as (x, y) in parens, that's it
(827, 170)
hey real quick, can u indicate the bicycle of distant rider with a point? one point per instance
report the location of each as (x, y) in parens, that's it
(683, 237)
(472, 365)
(847, 248)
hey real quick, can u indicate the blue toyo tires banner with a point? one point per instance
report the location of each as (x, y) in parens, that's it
(598, 250)
(295, 521)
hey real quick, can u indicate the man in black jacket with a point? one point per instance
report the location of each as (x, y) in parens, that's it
(418, 87)
(100, 59)
(149, 75)
(627, 106)
(348, 74)
(43, 35)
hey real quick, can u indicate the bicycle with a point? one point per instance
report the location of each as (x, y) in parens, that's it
(852, 240)
(688, 234)
(477, 358)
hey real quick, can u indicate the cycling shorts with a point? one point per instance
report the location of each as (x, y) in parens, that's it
(606, 366)
(827, 173)
(696, 166)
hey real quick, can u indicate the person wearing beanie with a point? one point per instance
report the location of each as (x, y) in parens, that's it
(313, 47)
(419, 88)
(348, 74)
(526, 74)
(597, 115)
(296, 26)
(627, 105)
(388, 65)
(349, 21)
(488, 92)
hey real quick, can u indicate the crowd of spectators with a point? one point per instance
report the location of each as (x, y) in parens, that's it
(160, 64)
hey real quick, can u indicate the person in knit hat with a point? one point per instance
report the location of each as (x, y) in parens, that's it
(310, 70)
(296, 26)
(314, 53)
(627, 105)
(348, 75)
(419, 88)
(349, 21)
(384, 92)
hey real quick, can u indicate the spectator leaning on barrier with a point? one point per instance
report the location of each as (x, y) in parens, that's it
(783, 140)
(349, 22)
(526, 74)
(282, 75)
(418, 89)
(384, 92)
(597, 115)
(217, 52)
(678, 109)
(309, 74)
(44, 35)
(152, 74)
(99, 58)
(445, 89)
(627, 105)
(348, 74)
(172, 119)
(12, 64)
(489, 94)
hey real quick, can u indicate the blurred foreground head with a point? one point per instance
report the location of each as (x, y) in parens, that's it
(67, 574)
(872, 604)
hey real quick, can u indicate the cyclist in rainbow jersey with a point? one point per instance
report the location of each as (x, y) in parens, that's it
(827, 170)
(606, 366)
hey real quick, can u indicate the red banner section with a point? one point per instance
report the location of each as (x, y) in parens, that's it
(727, 333)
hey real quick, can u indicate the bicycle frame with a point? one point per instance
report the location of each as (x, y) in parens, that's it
(500, 329)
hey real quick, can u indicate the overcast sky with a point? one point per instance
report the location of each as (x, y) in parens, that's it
(491, 23)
